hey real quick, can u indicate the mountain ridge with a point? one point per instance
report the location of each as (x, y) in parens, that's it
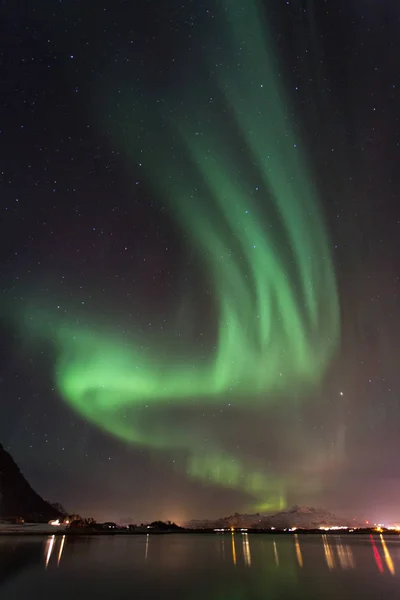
(300, 517)
(18, 500)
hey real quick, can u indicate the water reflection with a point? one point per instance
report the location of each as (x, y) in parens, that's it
(222, 547)
(246, 550)
(337, 553)
(377, 558)
(345, 555)
(17, 555)
(277, 567)
(388, 558)
(61, 550)
(329, 557)
(299, 556)
(233, 548)
(276, 554)
(49, 549)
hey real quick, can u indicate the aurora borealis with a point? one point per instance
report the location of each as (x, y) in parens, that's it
(268, 263)
(193, 287)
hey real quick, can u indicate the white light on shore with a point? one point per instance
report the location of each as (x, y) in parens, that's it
(56, 523)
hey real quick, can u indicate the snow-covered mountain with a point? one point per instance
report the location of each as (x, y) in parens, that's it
(302, 517)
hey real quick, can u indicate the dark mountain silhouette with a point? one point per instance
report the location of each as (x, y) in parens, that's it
(59, 507)
(17, 498)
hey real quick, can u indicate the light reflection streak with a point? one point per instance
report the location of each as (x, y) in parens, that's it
(377, 558)
(345, 555)
(299, 556)
(276, 554)
(223, 547)
(61, 550)
(246, 550)
(330, 560)
(388, 558)
(49, 549)
(146, 551)
(233, 549)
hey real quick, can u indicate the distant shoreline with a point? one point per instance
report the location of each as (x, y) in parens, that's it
(276, 532)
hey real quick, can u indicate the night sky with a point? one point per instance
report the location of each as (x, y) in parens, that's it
(200, 234)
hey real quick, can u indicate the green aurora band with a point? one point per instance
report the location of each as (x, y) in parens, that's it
(266, 253)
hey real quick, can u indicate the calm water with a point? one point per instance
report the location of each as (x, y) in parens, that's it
(236, 567)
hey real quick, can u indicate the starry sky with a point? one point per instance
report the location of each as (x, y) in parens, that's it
(199, 240)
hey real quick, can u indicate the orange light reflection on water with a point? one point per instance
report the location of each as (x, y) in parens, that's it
(299, 556)
(388, 558)
(330, 559)
(233, 549)
(60, 552)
